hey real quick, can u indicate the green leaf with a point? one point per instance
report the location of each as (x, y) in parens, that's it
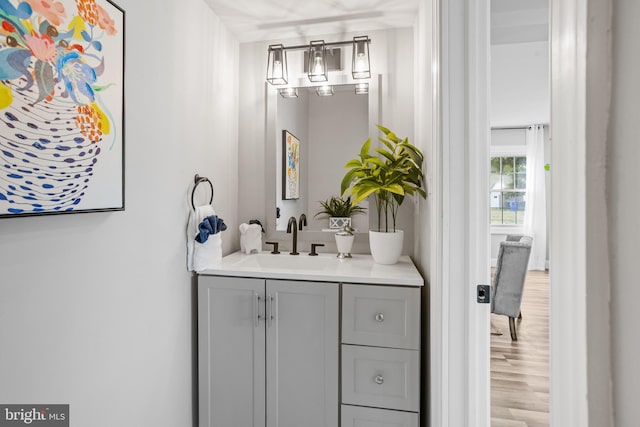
(394, 188)
(386, 154)
(353, 163)
(375, 161)
(383, 129)
(388, 144)
(346, 181)
(364, 151)
(363, 195)
(415, 151)
(421, 192)
(398, 198)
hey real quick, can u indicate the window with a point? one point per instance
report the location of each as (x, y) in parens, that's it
(508, 189)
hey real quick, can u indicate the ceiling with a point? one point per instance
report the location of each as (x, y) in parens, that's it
(256, 20)
(512, 21)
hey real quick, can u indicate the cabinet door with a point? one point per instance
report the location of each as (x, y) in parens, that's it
(231, 341)
(302, 354)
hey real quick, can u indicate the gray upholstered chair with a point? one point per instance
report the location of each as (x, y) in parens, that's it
(508, 282)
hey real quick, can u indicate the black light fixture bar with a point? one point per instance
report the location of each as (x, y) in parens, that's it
(277, 69)
(331, 44)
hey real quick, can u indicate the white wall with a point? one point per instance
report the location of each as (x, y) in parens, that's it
(391, 57)
(96, 310)
(622, 187)
(520, 84)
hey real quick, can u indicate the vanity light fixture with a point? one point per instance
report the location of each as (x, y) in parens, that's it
(324, 90)
(289, 92)
(361, 66)
(277, 73)
(317, 61)
(362, 88)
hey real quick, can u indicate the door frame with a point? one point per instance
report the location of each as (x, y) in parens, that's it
(578, 132)
(460, 338)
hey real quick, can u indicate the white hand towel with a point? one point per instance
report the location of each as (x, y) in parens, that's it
(195, 218)
(208, 254)
(250, 238)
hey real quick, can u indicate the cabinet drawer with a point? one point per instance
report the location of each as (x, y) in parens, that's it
(357, 416)
(381, 377)
(381, 316)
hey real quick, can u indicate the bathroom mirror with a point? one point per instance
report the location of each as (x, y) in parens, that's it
(325, 132)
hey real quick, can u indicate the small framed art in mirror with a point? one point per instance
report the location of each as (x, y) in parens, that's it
(290, 166)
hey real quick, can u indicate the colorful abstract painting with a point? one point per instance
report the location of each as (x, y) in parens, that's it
(291, 166)
(61, 106)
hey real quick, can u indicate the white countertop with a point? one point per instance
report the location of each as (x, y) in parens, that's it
(324, 267)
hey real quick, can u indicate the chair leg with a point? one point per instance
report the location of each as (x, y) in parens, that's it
(512, 329)
(520, 316)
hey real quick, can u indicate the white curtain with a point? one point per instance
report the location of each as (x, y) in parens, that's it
(535, 212)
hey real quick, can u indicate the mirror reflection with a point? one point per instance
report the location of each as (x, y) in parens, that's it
(318, 135)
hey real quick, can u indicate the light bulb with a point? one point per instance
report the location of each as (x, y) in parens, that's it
(318, 66)
(277, 69)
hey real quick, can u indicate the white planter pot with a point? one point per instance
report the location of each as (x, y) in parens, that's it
(338, 222)
(344, 244)
(386, 248)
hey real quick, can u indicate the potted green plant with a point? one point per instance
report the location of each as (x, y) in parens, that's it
(339, 211)
(392, 173)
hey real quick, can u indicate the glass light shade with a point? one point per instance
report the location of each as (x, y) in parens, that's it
(289, 92)
(277, 73)
(362, 88)
(317, 61)
(361, 66)
(324, 90)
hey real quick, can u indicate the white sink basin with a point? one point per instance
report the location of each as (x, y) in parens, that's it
(286, 262)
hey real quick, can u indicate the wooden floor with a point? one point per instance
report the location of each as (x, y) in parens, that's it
(520, 369)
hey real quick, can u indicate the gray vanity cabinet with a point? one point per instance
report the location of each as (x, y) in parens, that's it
(268, 352)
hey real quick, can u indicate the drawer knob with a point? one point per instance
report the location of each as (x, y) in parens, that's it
(379, 317)
(379, 380)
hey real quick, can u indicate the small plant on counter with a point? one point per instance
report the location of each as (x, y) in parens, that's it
(339, 207)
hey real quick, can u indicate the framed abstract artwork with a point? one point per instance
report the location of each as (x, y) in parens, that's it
(290, 166)
(61, 107)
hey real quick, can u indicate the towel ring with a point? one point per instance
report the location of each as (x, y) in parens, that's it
(199, 180)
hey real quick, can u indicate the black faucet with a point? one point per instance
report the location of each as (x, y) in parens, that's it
(292, 226)
(302, 221)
